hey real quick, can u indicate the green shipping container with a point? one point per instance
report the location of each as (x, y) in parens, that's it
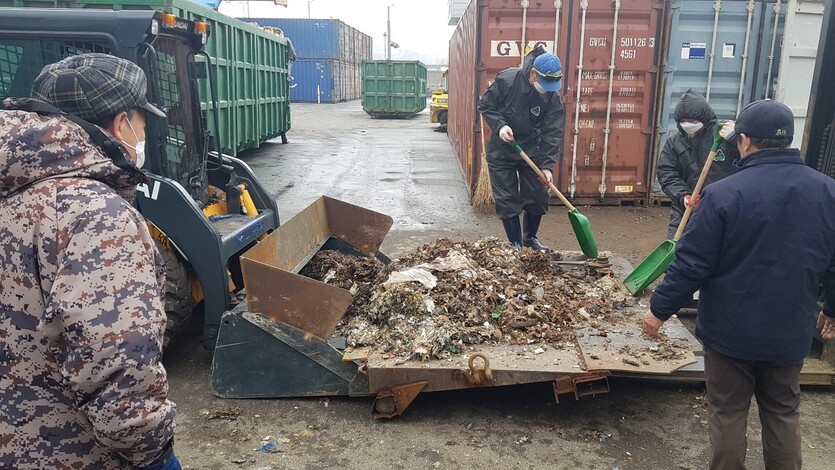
(395, 88)
(249, 64)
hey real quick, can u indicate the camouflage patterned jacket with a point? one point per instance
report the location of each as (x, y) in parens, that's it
(81, 314)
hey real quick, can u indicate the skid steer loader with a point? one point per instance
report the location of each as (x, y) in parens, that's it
(203, 208)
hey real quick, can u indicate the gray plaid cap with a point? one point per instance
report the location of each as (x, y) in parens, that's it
(94, 86)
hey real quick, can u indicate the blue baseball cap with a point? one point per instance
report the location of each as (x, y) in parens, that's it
(764, 119)
(549, 69)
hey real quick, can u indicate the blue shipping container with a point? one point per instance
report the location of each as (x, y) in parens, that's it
(322, 39)
(312, 81)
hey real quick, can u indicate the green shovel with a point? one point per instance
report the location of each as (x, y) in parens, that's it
(579, 222)
(657, 262)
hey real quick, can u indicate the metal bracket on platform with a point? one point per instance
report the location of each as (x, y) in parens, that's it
(582, 385)
(476, 375)
(394, 401)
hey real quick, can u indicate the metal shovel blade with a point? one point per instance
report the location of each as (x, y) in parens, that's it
(582, 229)
(651, 267)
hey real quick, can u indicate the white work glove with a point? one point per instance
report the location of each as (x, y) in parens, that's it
(549, 177)
(727, 129)
(506, 134)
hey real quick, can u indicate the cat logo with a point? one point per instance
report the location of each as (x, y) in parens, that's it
(151, 193)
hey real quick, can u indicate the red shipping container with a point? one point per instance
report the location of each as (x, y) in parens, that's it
(610, 99)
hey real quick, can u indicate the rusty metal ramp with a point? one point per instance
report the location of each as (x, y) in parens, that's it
(270, 269)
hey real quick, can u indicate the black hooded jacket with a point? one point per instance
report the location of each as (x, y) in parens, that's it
(537, 120)
(682, 158)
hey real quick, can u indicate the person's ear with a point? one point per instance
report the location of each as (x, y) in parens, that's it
(118, 126)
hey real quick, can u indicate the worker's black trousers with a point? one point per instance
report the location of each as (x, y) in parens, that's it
(516, 188)
(730, 385)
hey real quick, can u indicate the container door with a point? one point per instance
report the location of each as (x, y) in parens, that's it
(707, 53)
(611, 67)
(797, 63)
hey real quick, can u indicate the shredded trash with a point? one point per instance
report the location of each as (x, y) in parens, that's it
(446, 295)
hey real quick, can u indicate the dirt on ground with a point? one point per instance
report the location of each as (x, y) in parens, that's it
(404, 169)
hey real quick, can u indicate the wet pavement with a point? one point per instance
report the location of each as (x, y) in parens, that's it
(399, 167)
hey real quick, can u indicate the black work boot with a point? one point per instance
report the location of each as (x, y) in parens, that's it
(513, 229)
(531, 227)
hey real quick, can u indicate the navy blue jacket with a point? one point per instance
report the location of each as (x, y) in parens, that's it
(758, 246)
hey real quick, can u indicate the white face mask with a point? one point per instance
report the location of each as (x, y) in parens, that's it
(691, 128)
(539, 88)
(139, 148)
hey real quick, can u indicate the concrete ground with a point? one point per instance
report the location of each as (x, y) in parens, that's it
(404, 169)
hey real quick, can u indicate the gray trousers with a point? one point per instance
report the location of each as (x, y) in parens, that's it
(730, 385)
(676, 213)
(516, 188)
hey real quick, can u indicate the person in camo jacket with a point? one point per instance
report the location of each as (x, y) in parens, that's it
(81, 284)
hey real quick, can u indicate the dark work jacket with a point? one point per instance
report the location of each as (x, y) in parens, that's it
(537, 120)
(683, 157)
(758, 246)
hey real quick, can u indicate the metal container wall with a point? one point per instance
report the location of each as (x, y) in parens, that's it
(394, 88)
(324, 81)
(250, 69)
(322, 39)
(802, 34)
(715, 68)
(464, 89)
(608, 133)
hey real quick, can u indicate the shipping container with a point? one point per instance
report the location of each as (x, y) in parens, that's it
(761, 49)
(610, 56)
(710, 45)
(804, 20)
(322, 39)
(249, 69)
(324, 81)
(394, 88)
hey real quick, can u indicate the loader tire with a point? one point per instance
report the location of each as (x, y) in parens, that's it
(178, 301)
(442, 119)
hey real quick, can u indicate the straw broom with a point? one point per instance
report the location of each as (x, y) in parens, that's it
(483, 196)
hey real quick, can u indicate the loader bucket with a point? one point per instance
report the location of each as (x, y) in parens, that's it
(270, 269)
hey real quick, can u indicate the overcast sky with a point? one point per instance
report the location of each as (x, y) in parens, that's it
(418, 26)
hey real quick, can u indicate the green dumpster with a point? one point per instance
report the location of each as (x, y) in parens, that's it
(393, 88)
(249, 69)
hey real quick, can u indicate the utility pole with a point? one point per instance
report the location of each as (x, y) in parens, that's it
(388, 32)
(308, 8)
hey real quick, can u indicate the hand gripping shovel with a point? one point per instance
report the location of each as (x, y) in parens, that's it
(579, 222)
(657, 262)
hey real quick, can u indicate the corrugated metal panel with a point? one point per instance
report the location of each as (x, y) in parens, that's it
(819, 139)
(605, 167)
(250, 66)
(312, 39)
(312, 81)
(464, 54)
(325, 81)
(797, 64)
(611, 100)
(714, 68)
(322, 39)
(456, 10)
(393, 87)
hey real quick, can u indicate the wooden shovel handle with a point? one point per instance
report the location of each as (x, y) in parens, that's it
(688, 210)
(539, 173)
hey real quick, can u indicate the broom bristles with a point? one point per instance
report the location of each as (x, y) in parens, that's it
(483, 200)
